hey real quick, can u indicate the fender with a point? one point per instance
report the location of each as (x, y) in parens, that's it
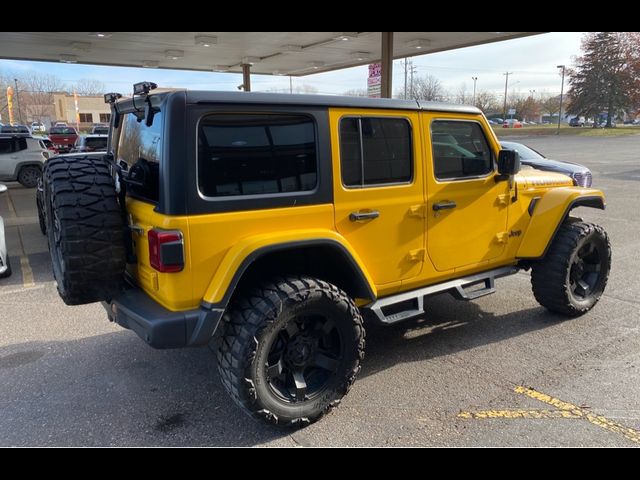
(245, 252)
(26, 163)
(548, 214)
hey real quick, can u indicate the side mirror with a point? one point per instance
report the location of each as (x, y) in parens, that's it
(3, 188)
(508, 162)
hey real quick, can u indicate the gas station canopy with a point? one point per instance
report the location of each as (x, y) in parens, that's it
(271, 53)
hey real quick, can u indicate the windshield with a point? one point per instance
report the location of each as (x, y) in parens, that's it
(62, 131)
(525, 152)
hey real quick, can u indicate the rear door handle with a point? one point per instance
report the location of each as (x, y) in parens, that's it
(360, 216)
(444, 206)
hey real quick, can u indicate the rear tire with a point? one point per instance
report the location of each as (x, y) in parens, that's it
(84, 229)
(29, 176)
(291, 349)
(573, 274)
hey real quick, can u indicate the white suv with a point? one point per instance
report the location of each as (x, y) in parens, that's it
(37, 127)
(21, 159)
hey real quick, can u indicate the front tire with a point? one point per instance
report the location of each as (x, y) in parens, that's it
(291, 350)
(29, 176)
(573, 274)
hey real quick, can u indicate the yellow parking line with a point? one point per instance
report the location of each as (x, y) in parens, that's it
(27, 273)
(599, 420)
(12, 208)
(518, 414)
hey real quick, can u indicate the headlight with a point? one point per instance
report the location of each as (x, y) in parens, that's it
(582, 179)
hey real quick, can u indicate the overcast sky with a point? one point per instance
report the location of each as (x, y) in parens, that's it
(532, 60)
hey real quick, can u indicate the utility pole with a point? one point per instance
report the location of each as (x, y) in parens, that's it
(290, 84)
(405, 78)
(475, 79)
(18, 101)
(561, 92)
(412, 70)
(506, 84)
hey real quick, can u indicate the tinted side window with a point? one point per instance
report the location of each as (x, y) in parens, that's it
(253, 154)
(6, 145)
(140, 148)
(375, 151)
(20, 144)
(460, 150)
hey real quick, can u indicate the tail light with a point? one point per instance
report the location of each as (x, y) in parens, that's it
(166, 250)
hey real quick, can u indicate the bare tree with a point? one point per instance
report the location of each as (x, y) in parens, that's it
(487, 102)
(461, 94)
(356, 92)
(427, 88)
(36, 94)
(89, 86)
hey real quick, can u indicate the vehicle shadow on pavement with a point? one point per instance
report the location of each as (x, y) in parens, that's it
(113, 390)
(449, 326)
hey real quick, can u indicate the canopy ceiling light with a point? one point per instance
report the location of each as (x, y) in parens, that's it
(100, 34)
(68, 58)
(344, 36)
(316, 65)
(205, 41)
(150, 64)
(174, 54)
(419, 43)
(220, 68)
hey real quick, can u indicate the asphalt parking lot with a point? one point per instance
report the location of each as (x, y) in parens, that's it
(499, 371)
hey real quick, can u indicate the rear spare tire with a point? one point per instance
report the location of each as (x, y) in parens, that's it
(84, 229)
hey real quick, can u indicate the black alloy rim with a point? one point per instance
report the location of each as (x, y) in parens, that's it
(585, 270)
(304, 358)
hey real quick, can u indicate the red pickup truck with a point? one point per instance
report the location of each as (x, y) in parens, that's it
(63, 138)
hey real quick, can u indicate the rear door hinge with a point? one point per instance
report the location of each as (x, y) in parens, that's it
(502, 237)
(417, 210)
(503, 199)
(416, 255)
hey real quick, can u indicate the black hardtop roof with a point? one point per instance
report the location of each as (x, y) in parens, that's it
(260, 98)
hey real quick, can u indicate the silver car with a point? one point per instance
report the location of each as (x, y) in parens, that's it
(5, 267)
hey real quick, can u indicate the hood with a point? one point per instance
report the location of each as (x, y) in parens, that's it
(532, 178)
(555, 165)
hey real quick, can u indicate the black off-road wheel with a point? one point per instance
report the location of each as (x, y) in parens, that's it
(291, 349)
(573, 274)
(28, 176)
(84, 229)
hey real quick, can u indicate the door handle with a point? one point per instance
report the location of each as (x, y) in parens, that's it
(444, 206)
(360, 216)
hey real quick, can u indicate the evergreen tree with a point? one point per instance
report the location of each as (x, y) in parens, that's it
(603, 79)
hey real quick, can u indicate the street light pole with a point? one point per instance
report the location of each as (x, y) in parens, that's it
(506, 84)
(561, 92)
(475, 79)
(18, 101)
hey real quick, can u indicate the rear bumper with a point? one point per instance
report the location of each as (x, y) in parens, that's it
(161, 328)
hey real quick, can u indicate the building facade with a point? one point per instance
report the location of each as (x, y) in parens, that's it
(92, 109)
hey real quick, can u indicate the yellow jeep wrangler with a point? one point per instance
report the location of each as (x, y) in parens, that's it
(271, 224)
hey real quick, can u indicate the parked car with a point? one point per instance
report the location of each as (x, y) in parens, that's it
(5, 266)
(21, 129)
(100, 129)
(512, 123)
(37, 127)
(577, 122)
(21, 159)
(580, 174)
(64, 138)
(91, 143)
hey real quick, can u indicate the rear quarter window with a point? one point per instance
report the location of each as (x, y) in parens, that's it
(256, 154)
